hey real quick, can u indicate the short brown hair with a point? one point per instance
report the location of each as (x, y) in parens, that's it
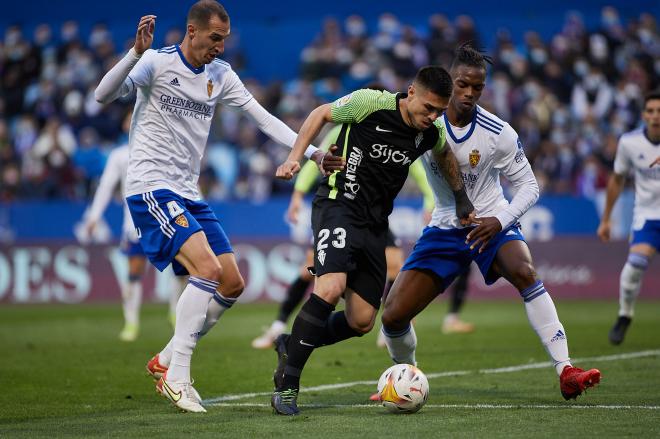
(201, 12)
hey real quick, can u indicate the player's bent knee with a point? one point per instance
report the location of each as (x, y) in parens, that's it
(234, 288)
(393, 322)
(330, 291)
(361, 326)
(361, 330)
(210, 270)
(523, 276)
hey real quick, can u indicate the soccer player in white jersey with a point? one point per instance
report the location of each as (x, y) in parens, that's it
(638, 152)
(486, 148)
(131, 288)
(178, 88)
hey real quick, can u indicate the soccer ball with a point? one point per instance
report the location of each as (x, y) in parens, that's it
(403, 388)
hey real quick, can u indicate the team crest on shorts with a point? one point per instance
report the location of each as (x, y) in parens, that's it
(321, 256)
(418, 139)
(182, 221)
(209, 90)
(475, 156)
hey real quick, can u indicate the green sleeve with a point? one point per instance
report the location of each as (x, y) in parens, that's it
(310, 171)
(355, 107)
(419, 175)
(440, 144)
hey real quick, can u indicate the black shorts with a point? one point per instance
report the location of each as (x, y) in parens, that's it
(343, 244)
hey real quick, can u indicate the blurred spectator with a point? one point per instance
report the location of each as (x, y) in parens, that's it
(592, 96)
(89, 161)
(569, 96)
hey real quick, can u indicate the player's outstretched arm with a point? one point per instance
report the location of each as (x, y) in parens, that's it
(281, 133)
(309, 130)
(110, 178)
(294, 206)
(115, 83)
(614, 188)
(448, 165)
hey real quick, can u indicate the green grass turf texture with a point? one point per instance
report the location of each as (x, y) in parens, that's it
(63, 373)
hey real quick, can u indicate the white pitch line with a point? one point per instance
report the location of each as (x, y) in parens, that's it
(508, 369)
(459, 406)
(615, 357)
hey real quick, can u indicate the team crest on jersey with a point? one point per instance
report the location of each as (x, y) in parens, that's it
(475, 156)
(343, 100)
(209, 87)
(182, 221)
(321, 256)
(418, 139)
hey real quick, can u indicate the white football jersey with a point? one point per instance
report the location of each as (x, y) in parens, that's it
(635, 152)
(114, 173)
(172, 119)
(484, 149)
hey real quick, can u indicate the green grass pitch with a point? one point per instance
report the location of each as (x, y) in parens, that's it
(63, 373)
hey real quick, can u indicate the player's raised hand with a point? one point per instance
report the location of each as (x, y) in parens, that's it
(486, 229)
(604, 231)
(145, 34)
(328, 162)
(287, 170)
(655, 162)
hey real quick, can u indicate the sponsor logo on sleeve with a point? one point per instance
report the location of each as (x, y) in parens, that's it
(343, 100)
(520, 155)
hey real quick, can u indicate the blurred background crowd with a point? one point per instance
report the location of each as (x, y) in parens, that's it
(569, 97)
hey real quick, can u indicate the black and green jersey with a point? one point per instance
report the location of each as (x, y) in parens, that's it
(378, 147)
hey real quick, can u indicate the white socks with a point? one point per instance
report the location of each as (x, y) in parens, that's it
(631, 283)
(401, 345)
(215, 309)
(190, 316)
(542, 315)
(131, 294)
(179, 284)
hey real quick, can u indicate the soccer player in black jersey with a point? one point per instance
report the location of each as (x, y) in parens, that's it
(382, 135)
